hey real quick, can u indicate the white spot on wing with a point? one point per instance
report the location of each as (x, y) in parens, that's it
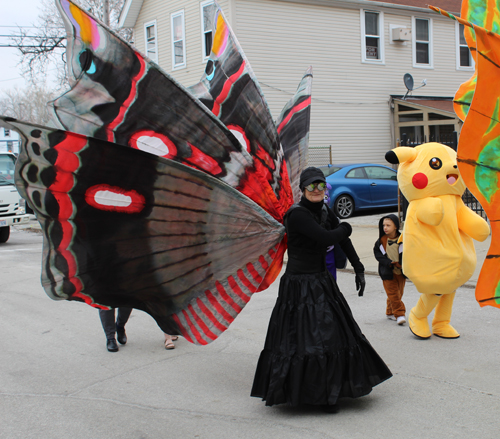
(241, 138)
(153, 145)
(108, 198)
(236, 166)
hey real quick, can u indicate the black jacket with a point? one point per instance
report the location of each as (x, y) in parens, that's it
(306, 230)
(385, 265)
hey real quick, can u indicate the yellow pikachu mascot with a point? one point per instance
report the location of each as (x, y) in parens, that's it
(439, 254)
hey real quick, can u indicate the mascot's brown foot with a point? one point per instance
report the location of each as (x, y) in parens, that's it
(441, 322)
(419, 327)
(417, 321)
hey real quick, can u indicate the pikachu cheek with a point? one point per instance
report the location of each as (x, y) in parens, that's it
(420, 180)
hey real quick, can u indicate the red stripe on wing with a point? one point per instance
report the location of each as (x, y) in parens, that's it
(183, 330)
(66, 164)
(235, 287)
(302, 106)
(126, 104)
(201, 323)
(203, 161)
(245, 281)
(210, 315)
(263, 262)
(253, 272)
(276, 265)
(227, 298)
(193, 329)
(219, 100)
(227, 317)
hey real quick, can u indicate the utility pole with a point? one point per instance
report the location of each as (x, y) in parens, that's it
(105, 15)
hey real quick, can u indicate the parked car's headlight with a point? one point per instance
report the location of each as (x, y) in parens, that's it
(22, 206)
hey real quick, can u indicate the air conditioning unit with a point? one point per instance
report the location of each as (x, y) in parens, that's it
(401, 34)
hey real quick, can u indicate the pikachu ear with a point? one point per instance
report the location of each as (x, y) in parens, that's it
(401, 154)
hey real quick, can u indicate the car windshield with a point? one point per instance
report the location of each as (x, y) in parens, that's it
(329, 170)
(7, 166)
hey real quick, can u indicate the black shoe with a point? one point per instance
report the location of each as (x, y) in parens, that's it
(111, 345)
(330, 408)
(120, 334)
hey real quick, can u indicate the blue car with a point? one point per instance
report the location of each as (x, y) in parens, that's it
(360, 186)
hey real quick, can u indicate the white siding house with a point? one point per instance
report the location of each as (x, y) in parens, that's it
(359, 49)
(9, 141)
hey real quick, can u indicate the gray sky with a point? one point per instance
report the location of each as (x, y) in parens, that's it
(14, 13)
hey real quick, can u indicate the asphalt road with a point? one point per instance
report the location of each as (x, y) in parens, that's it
(58, 381)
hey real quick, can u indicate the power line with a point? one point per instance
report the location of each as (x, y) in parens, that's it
(33, 27)
(31, 47)
(32, 36)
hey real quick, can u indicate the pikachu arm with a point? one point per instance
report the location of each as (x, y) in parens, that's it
(471, 223)
(429, 211)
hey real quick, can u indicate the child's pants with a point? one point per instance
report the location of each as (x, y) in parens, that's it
(394, 289)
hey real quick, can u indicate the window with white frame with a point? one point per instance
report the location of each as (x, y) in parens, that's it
(151, 40)
(6, 132)
(207, 27)
(372, 29)
(178, 40)
(422, 42)
(464, 57)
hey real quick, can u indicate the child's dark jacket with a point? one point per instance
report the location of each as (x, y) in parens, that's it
(380, 250)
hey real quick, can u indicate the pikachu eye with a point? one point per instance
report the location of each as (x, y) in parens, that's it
(435, 163)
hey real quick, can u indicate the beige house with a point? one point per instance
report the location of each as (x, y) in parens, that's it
(360, 51)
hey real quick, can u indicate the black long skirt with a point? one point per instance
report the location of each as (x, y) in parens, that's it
(315, 352)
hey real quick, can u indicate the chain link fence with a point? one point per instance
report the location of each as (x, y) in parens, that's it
(319, 155)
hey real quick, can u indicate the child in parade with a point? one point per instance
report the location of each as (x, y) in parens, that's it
(389, 255)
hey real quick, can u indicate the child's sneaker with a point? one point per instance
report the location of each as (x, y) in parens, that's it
(391, 317)
(401, 320)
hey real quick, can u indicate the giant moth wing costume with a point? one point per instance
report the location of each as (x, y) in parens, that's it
(157, 197)
(478, 148)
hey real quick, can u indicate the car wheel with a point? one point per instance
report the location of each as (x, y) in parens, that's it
(344, 206)
(4, 234)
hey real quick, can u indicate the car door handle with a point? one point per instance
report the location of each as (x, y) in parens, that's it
(373, 184)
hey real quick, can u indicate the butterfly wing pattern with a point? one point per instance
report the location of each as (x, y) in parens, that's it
(154, 196)
(293, 129)
(485, 14)
(158, 236)
(120, 96)
(479, 145)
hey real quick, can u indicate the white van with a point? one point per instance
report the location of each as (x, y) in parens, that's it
(12, 206)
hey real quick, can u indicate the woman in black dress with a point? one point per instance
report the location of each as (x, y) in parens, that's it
(314, 352)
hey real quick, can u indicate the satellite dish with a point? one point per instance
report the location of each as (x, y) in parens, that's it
(408, 80)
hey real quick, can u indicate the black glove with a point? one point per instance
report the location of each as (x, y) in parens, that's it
(347, 228)
(360, 283)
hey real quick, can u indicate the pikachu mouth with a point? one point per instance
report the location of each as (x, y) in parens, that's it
(452, 178)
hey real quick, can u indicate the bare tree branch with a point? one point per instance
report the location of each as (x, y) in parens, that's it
(27, 104)
(42, 48)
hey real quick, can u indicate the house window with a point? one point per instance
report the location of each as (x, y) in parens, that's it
(372, 29)
(151, 40)
(422, 42)
(207, 27)
(6, 132)
(178, 40)
(464, 57)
